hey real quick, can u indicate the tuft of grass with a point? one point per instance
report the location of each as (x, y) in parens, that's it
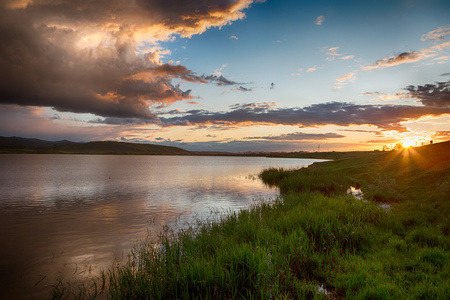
(306, 180)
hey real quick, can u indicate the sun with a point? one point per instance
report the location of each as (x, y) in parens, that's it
(408, 143)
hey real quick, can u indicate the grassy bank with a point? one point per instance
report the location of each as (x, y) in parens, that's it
(314, 242)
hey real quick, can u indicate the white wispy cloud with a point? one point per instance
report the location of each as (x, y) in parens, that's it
(332, 53)
(319, 20)
(347, 57)
(218, 72)
(347, 77)
(343, 80)
(437, 34)
(299, 71)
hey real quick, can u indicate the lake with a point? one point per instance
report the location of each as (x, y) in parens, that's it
(70, 216)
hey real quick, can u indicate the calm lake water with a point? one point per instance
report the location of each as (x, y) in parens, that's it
(70, 216)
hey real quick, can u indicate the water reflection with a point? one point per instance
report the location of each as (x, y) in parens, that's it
(358, 194)
(72, 215)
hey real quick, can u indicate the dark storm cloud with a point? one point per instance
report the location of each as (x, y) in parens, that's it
(298, 136)
(81, 56)
(437, 95)
(386, 117)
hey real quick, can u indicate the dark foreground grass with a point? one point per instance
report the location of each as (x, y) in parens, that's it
(316, 242)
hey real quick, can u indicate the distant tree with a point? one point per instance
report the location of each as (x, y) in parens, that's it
(398, 146)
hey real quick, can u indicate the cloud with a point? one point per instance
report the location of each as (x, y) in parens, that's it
(256, 107)
(435, 95)
(442, 135)
(233, 37)
(88, 57)
(362, 130)
(437, 34)
(299, 72)
(220, 80)
(408, 57)
(31, 122)
(124, 121)
(242, 89)
(405, 57)
(312, 69)
(298, 136)
(440, 60)
(319, 20)
(385, 117)
(387, 97)
(349, 77)
(333, 54)
(415, 56)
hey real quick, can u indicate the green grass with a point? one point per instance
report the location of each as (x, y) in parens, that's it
(314, 242)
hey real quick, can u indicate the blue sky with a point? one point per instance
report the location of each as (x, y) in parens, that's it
(227, 75)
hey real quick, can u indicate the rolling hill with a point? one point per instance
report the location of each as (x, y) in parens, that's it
(28, 145)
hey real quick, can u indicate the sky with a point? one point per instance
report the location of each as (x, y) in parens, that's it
(227, 75)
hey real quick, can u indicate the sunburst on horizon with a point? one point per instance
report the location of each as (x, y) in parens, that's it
(408, 143)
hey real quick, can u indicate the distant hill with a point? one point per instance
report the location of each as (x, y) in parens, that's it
(28, 145)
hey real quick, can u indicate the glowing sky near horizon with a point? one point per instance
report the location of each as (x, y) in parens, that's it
(227, 75)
